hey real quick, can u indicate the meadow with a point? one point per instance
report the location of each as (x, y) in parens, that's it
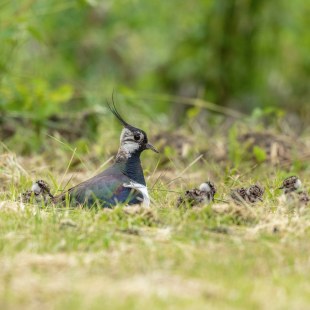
(222, 90)
(221, 255)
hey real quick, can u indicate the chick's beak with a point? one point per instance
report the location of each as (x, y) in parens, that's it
(149, 146)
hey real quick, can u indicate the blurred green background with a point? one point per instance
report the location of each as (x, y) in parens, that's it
(59, 59)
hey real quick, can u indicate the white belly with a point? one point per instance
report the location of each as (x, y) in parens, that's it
(142, 189)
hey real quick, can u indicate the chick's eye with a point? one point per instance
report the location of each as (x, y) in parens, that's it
(137, 136)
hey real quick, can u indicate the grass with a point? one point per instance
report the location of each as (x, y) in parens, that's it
(219, 256)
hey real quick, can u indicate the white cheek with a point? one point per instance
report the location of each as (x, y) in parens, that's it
(298, 184)
(130, 147)
(36, 188)
(205, 187)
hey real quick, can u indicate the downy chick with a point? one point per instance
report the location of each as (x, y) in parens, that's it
(198, 196)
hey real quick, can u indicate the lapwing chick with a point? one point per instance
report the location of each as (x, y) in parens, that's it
(123, 182)
(239, 194)
(303, 197)
(292, 187)
(39, 190)
(41, 187)
(251, 194)
(198, 196)
(291, 184)
(255, 193)
(26, 196)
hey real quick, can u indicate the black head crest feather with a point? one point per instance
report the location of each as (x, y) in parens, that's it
(116, 114)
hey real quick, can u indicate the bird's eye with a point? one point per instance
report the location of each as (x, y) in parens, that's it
(137, 136)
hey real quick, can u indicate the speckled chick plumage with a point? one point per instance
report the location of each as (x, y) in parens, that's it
(251, 194)
(40, 191)
(198, 196)
(255, 193)
(41, 187)
(239, 194)
(291, 184)
(292, 188)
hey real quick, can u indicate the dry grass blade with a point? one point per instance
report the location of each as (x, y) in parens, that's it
(67, 169)
(73, 150)
(197, 102)
(189, 166)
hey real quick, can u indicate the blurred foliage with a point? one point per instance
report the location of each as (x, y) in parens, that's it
(58, 57)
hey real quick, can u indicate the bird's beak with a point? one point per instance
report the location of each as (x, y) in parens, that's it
(281, 187)
(149, 146)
